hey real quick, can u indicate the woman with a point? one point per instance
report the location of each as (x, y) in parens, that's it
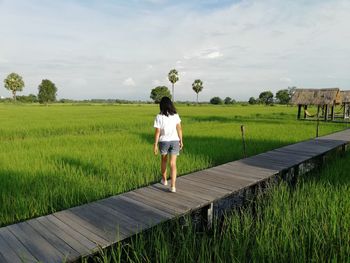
(168, 134)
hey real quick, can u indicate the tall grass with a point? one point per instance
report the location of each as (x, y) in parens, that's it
(307, 223)
(60, 156)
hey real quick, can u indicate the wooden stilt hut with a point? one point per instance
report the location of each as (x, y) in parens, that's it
(322, 98)
(345, 100)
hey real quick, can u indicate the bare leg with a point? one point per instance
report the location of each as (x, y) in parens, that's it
(173, 169)
(163, 166)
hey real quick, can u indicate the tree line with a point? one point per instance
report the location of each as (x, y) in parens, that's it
(282, 96)
(47, 90)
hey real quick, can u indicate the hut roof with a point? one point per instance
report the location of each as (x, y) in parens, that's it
(345, 96)
(316, 96)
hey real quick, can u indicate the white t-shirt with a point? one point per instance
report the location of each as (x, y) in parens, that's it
(167, 126)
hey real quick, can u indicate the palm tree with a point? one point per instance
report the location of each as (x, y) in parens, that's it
(14, 83)
(173, 77)
(197, 86)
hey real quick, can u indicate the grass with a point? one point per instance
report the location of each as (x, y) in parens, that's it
(58, 156)
(307, 223)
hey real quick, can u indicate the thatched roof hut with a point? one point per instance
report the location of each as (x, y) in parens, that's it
(345, 96)
(316, 97)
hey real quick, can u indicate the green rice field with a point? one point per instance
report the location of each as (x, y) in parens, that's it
(58, 156)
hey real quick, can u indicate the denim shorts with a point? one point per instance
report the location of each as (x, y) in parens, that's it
(169, 147)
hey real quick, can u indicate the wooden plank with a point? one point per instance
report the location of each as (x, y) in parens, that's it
(71, 237)
(212, 183)
(193, 200)
(67, 251)
(196, 191)
(35, 243)
(152, 202)
(82, 227)
(205, 185)
(173, 203)
(135, 211)
(127, 223)
(239, 174)
(240, 164)
(101, 223)
(13, 255)
(233, 184)
(171, 198)
(149, 207)
(87, 241)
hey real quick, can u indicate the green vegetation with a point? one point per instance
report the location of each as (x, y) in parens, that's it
(159, 92)
(60, 156)
(173, 77)
(197, 87)
(309, 223)
(14, 83)
(47, 91)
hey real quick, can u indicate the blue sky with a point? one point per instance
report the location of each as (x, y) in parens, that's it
(122, 49)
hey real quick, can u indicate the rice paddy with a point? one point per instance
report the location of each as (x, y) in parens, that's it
(58, 156)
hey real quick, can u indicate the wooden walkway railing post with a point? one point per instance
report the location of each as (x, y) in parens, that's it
(207, 213)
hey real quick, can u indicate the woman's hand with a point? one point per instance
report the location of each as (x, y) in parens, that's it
(155, 149)
(181, 144)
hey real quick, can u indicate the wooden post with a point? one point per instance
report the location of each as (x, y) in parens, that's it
(332, 113)
(318, 120)
(326, 113)
(299, 111)
(305, 109)
(243, 141)
(207, 216)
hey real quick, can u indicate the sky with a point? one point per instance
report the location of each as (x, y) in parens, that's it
(123, 48)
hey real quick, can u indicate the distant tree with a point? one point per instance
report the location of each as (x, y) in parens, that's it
(228, 100)
(47, 91)
(197, 86)
(173, 77)
(283, 96)
(159, 92)
(14, 83)
(216, 101)
(252, 101)
(31, 98)
(266, 97)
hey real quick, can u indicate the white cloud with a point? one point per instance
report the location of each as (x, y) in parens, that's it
(243, 48)
(285, 79)
(129, 82)
(155, 82)
(213, 55)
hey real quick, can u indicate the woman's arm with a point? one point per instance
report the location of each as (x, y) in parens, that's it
(156, 139)
(179, 132)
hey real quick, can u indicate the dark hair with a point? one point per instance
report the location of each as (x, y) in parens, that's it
(167, 107)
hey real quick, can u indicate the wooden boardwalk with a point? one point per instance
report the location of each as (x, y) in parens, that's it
(79, 231)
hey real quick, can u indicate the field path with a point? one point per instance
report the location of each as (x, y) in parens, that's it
(79, 231)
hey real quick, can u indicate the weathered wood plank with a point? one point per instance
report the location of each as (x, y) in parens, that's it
(152, 202)
(81, 226)
(99, 222)
(12, 250)
(35, 243)
(126, 223)
(135, 211)
(67, 251)
(90, 244)
(71, 238)
(204, 185)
